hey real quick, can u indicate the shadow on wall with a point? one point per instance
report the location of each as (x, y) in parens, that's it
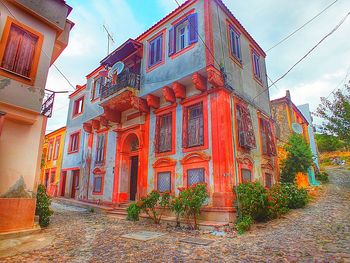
(18, 190)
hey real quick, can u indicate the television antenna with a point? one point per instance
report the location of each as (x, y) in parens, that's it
(109, 38)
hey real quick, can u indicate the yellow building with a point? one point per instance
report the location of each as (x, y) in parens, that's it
(33, 35)
(51, 161)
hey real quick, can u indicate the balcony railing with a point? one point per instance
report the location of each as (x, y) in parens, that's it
(47, 106)
(124, 80)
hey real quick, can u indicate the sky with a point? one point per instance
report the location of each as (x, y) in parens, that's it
(267, 21)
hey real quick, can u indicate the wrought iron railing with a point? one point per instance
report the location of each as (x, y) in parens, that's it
(125, 79)
(47, 106)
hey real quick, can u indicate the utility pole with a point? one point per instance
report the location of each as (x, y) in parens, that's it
(109, 38)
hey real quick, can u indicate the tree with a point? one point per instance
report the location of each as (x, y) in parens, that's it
(329, 143)
(336, 114)
(299, 158)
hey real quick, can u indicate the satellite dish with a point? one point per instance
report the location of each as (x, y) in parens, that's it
(296, 127)
(117, 68)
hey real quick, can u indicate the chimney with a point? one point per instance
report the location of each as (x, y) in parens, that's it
(288, 94)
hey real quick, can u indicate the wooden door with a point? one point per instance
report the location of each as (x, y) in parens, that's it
(75, 183)
(133, 177)
(63, 183)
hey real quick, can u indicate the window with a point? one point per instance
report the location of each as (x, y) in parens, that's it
(49, 156)
(256, 65)
(164, 182)
(78, 106)
(97, 87)
(155, 55)
(268, 180)
(183, 34)
(245, 129)
(235, 44)
(57, 148)
(246, 175)
(53, 177)
(100, 148)
(74, 142)
(267, 140)
(19, 51)
(195, 176)
(164, 133)
(194, 133)
(98, 184)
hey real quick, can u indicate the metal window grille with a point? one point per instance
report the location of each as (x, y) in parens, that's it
(164, 182)
(268, 180)
(165, 133)
(98, 184)
(195, 128)
(195, 176)
(246, 175)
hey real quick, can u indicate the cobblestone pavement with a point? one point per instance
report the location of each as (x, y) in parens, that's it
(318, 233)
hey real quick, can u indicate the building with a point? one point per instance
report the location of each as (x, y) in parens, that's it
(33, 35)
(305, 110)
(52, 160)
(185, 102)
(290, 119)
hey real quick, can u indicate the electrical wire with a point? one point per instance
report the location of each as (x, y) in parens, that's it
(299, 28)
(13, 16)
(341, 82)
(310, 51)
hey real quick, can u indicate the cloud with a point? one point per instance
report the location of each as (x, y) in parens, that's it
(169, 5)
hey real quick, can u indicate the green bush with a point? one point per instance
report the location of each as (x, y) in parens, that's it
(243, 224)
(151, 202)
(193, 198)
(299, 158)
(177, 206)
(42, 208)
(297, 198)
(277, 201)
(133, 212)
(322, 177)
(252, 201)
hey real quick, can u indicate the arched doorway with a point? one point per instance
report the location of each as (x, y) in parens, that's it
(131, 148)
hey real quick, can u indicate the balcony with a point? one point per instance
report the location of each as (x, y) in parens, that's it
(48, 100)
(126, 79)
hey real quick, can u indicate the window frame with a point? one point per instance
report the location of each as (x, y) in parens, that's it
(272, 179)
(50, 149)
(247, 164)
(232, 29)
(36, 57)
(260, 119)
(94, 185)
(93, 93)
(78, 133)
(161, 35)
(191, 169)
(188, 102)
(196, 160)
(164, 164)
(171, 109)
(52, 180)
(76, 114)
(170, 177)
(57, 141)
(102, 162)
(256, 77)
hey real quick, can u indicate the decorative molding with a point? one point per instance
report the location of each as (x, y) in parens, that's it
(214, 77)
(111, 115)
(179, 90)
(87, 127)
(99, 171)
(164, 162)
(104, 121)
(199, 81)
(245, 159)
(268, 165)
(96, 124)
(168, 94)
(153, 101)
(139, 104)
(195, 157)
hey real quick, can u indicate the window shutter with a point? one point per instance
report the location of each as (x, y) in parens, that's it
(172, 41)
(271, 148)
(25, 55)
(13, 44)
(158, 49)
(250, 137)
(184, 128)
(156, 139)
(193, 28)
(151, 54)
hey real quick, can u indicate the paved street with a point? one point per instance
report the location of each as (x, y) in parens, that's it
(320, 233)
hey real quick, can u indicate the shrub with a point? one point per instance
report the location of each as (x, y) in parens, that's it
(150, 203)
(297, 198)
(322, 177)
(193, 198)
(133, 212)
(277, 201)
(42, 208)
(299, 158)
(177, 206)
(243, 224)
(252, 201)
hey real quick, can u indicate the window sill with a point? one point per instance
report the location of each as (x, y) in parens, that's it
(149, 69)
(195, 148)
(97, 193)
(182, 51)
(72, 152)
(237, 61)
(259, 81)
(77, 115)
(13, 75)
(162, 154)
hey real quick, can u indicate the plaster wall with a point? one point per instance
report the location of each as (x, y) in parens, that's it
(240, 78)
(18, 93)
